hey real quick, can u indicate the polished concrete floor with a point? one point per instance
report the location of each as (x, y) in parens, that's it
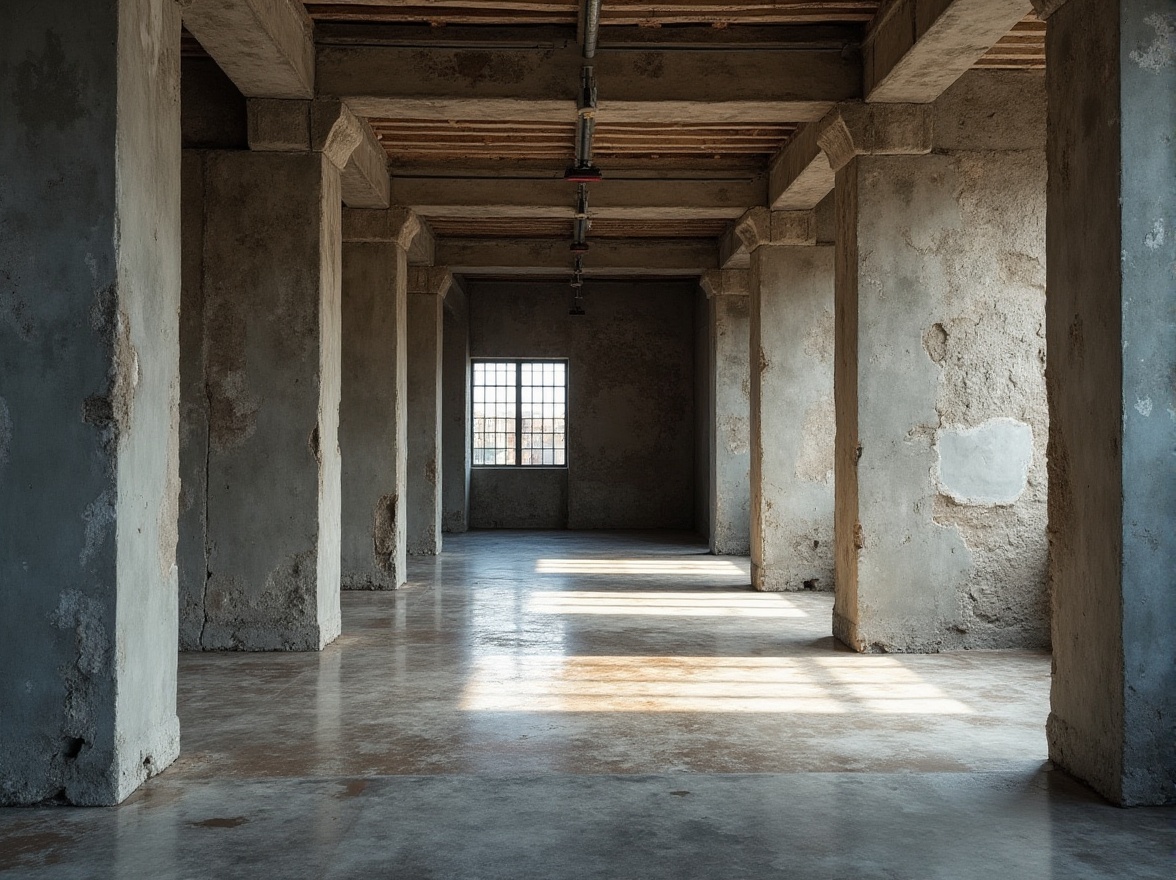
(610, 705)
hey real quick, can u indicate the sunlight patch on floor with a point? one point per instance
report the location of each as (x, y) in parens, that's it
(663, 604)
(665, 565)
(884, 686)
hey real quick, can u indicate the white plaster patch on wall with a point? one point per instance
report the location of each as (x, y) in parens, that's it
(1162, 52)
(5, 431)
(1144, 406)
(1154, 240)
(985, 465)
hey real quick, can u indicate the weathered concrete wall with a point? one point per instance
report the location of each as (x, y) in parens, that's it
(631, 396)
(1112, 358)
(192, 548)
(730, 425)
(455, 428)
(373, 417)
(425, 340)
(792, 423)
(89, 351)
(631, 443)
(212, 110)
(942, 420)
(514, 498)
(271, 296)
(702, 413)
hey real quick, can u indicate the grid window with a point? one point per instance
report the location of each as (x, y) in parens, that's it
(520, 413)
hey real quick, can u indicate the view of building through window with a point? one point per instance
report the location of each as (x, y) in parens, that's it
(520, 413)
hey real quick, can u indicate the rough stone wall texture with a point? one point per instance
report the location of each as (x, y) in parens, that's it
(631, 397)
(271, 266)
(425, 341)
(1112, 363)
(702, 411)
(792, 420)
(513, 498)
(730, 329)
(89, 352)
(946, 273)
(455, 430)
(373, 421)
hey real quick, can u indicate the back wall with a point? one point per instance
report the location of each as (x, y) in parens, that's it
(631, 444)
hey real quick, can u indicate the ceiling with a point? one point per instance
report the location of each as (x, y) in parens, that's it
(527, 148)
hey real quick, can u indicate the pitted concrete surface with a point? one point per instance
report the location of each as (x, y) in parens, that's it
(600, 705)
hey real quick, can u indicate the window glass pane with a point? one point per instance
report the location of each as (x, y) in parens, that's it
(511, 395)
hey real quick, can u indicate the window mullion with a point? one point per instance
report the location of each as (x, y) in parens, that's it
(519, 413)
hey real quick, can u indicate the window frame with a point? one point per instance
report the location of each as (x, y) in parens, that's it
(518, 363)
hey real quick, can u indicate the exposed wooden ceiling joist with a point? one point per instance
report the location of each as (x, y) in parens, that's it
(659, 85)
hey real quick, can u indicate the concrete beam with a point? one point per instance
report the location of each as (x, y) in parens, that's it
(400, 225)
(551, 257)
(759, 226)
(725, 282)
(803, 172)
(688, 85)
(323, 126)
(1046, 8)
(917, 48)
(689, 199)
(364, 180)
(265, 46)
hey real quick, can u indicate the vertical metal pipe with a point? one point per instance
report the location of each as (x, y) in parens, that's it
(591, 27)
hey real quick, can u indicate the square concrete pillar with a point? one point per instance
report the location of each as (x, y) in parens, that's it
(455, 412)
(270, 279)
(730, 493)
(939, 381)
(427, 288)
(1112, 357)
(373, 416)
(792, 424)
(89, 354)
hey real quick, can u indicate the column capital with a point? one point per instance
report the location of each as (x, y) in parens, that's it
(852, 130)
(323, 125)
(398, 225)
(759, 227)
(1046, 8)
(429, 281)
(724, 282)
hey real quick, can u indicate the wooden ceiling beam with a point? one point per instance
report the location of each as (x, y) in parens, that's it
(552, 258)
(266, 47)
(686, 86)
(916, 49)
(555, 199)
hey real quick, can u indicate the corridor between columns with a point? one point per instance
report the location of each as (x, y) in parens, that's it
(529, 698)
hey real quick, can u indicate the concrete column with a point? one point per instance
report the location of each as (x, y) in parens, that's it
(939, 385)
(729, 321)
(792, 425)
(1112, 356)
(427, 288)
(270, 281)
(89, 353)
(373, 418)
(455, 411)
